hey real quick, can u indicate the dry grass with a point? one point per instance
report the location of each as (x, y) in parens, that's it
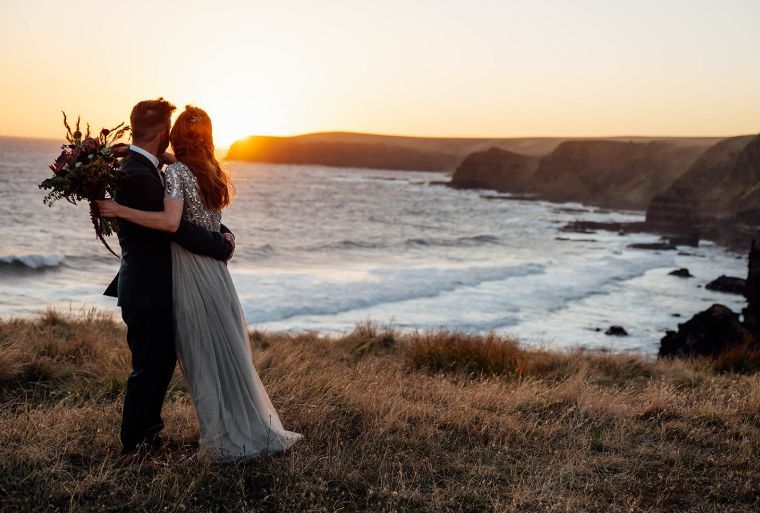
(435, 421)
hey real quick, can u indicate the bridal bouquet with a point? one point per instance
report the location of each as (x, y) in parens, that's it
(87, 169)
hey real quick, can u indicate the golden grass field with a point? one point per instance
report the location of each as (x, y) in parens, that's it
(432, 421)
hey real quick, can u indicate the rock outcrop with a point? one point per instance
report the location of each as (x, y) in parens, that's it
(496, 169)
(708, 333)
(616, 331)
(717, 329)
(728, 284)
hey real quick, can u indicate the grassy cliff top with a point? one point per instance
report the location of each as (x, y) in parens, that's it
(432, 421)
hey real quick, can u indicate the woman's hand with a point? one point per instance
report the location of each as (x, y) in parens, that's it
(109, 208)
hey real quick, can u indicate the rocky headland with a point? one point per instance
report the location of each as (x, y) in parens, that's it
(350, 149)
(497, 169)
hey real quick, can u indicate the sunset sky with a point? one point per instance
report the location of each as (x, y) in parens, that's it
(438, 68)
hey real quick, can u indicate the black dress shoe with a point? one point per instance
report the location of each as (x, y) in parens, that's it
(155, 442)
(126, 451)
(154, 439)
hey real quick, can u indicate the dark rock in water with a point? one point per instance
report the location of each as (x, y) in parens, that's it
(689, 239)
(511, 197)
(592, 226)
(575, 240)
(730, 284)
(571, 210)
(752, 292)
(617, 331)
(676, 315)
(682, 273)
(708, 333)
(652, 245)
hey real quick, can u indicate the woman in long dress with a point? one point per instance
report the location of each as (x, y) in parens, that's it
(236, 417)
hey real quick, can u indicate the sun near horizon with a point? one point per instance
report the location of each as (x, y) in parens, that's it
(435, 69)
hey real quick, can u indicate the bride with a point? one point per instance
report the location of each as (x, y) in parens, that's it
(236, 417)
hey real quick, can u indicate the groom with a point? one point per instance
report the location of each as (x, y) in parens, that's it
(144, 282)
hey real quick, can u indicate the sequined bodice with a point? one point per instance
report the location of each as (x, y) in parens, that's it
(182, 184)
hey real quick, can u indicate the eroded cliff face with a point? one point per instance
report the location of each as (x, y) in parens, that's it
(496, 169)
(718, 197)
(607, 173)
(612, 173)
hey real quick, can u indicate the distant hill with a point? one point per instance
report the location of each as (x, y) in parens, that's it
(351, 149)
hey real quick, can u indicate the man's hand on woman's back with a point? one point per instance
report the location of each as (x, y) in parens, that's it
(229, 237)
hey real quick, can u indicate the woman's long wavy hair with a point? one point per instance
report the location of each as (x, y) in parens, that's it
(193, 145)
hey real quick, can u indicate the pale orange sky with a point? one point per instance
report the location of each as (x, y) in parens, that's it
(437, 68)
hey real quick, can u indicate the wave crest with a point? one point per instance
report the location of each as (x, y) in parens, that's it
(32, 261)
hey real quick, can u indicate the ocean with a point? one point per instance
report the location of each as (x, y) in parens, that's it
(323, 249)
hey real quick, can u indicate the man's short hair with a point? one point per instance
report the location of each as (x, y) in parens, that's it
(149, 117)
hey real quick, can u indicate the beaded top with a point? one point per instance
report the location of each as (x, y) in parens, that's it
(181, 184)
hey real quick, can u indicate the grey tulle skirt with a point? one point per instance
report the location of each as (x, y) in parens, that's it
(236, 417)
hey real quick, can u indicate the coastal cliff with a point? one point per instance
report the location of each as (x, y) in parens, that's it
(497, 169)
(610, 173)
(718, 197)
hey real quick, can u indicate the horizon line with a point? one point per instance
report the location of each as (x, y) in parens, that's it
(382, 134)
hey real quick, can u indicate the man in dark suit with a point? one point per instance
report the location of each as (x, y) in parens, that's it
(144, 282)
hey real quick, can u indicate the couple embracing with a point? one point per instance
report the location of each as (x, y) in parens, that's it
(176, 294)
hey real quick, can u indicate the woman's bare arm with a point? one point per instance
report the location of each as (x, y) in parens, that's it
(167, 220)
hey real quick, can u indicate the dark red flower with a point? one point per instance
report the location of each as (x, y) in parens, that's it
(90, 143)
(64, 158)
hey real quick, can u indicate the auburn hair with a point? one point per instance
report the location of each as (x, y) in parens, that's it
(193, 145)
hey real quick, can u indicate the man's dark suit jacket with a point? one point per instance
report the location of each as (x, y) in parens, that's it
(145, 277)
